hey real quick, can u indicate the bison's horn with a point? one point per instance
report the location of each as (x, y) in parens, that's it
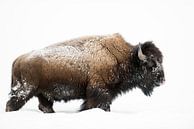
(140, 54)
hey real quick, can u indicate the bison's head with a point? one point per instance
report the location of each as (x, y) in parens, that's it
(150, 67)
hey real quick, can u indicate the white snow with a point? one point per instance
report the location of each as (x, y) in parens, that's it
(20, 91)
(60, 51)
(30, 25)
(18, 85)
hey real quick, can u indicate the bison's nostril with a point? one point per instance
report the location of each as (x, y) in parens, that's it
(162, 80)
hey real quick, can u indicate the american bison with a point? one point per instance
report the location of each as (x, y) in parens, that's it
(95, 68)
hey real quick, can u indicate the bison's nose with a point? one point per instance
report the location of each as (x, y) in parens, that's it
(162, 77)
(162, 80)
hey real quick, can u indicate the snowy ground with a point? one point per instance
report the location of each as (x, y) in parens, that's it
(31, 24)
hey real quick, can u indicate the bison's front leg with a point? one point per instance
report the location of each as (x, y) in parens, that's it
(97, 98)
(45, 105)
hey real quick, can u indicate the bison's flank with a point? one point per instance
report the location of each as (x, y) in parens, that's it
(94, 68)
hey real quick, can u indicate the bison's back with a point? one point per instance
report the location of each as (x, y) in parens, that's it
(75, 62)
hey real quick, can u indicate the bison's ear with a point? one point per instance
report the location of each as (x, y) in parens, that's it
(141, 56)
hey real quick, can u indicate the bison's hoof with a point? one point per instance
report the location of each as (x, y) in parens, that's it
(8, 109)
(46, 109)
(105, 107)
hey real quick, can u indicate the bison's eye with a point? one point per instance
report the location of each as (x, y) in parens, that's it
(151, 63)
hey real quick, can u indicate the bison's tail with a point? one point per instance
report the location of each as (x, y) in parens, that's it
(15, 75)
(12, 81)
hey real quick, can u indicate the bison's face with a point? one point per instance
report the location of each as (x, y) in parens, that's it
(151, 67)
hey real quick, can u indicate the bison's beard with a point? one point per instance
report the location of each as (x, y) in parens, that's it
(150, 80)
(147, 91)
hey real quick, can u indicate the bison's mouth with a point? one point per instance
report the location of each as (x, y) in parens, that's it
(160, 81)
(157, 84)
(147, 90)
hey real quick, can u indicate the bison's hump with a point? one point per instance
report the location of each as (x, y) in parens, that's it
(80, 48)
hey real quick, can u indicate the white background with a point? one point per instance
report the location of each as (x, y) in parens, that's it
(32, 24)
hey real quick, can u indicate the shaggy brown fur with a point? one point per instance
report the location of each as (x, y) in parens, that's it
(94, 68)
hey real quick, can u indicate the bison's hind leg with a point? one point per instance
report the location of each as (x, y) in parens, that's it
(19, 95)
(97, 98)
(45, 105)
